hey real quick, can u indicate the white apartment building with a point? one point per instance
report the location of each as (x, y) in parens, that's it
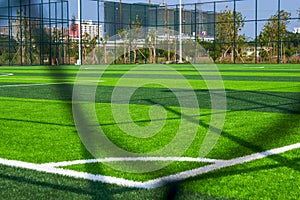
(91, 29)
(86, 27)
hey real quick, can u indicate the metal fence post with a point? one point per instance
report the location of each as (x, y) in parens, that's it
(98, 23)
(234, 32)
(255, 32)
(279, 38)
(215, 42)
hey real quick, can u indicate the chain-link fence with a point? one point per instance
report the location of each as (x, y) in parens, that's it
(34, 32)
(231, 31)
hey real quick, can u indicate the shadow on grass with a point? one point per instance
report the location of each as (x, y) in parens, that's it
(237, 100)
(171, 76)
(28, 184)
(51, 185)
(36, 122)
(267, 137)
(67, 91)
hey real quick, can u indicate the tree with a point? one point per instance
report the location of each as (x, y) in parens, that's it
(227, 31)
(8, 46)
(123, 34)
(33, 39)
(86, 38)
(151, 43)
(135, 35)
(73, 26)
(104, 42)
(272, 33)
(264, 54)
(93, 48)
(23, 37)
(291, 45)
(89, 48)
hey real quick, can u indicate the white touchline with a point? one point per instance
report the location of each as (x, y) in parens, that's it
(41, 84)
(158, 182)
(32, 84)
(6, 74)
(91, 81)
(34, 79)
(255, 67)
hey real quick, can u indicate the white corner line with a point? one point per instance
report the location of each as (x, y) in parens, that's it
(71, 173)
(145, 159)
(235, 161)
(158, 182)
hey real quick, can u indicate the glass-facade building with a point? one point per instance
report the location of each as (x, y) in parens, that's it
(194, 22)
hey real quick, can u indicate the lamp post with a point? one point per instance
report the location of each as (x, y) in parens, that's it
(79, 33)
(180, 31)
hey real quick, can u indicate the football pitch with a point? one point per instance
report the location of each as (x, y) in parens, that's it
(256, 156)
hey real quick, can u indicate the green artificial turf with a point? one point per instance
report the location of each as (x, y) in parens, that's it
(125, 169)
(275, 177)
(262, 113)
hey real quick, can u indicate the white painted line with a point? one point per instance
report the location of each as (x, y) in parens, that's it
(91, 81)
(235, 161)
(70, 173)
(6, 74)
(255, 67)
(145, 159)
(34, 79)
(32, 84)
(48, 168)
(51, 79)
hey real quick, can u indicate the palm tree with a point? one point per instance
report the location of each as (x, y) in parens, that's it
(148, 44)
(135, 34)
(123, 34)
(104, 42)
(85, 44)
(151, 43)
(23, 36)
(93, 45)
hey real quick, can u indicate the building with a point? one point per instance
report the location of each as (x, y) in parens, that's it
(14, 30)
(194, 21)
(86, 27)
(117, 17)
